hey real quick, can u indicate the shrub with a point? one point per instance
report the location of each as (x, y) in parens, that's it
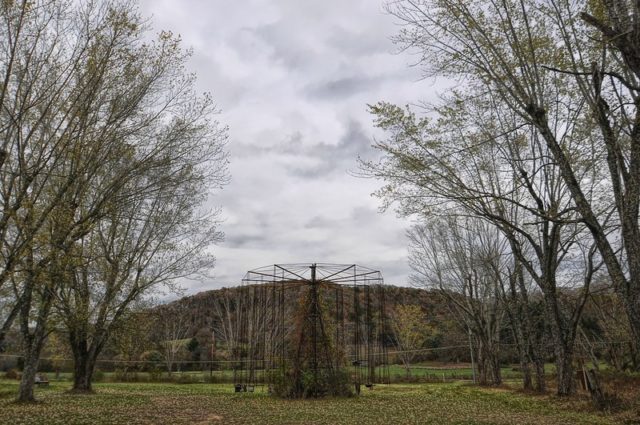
(124, 375)
(155, 374)
(98, 376)
(152, 359)
(210, 379)
(287, 385)
(185, 378)
(13, 374)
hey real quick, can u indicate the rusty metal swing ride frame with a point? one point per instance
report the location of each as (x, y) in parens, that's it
(318, 325)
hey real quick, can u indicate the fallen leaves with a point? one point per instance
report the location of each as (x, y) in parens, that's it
(146, 403)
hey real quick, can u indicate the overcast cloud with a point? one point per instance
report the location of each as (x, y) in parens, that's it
(293, 79)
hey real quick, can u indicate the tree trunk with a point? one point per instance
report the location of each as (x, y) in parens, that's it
(496, 371)
(563, 333)
(564, 367)
(527, 381)
(538, 358)
(541, 384)
(33, 344)
(563, 348)
(564, 340)
(31, 360)
(33, 341)
(518, 310)
(83, 369)
(481, 363)
(491, 373)
(525, 361)
(633, 312)
(85, 354)
(523, 354)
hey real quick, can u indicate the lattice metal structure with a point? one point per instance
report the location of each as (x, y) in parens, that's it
(308, 330)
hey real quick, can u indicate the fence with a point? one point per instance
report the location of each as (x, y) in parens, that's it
(222, 371)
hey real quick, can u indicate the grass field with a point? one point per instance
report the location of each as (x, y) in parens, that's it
(147, 403)
(431, 371)
(437, 371)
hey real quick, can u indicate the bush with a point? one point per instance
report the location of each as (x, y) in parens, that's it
(98, 376)
(287, 385)
(210, 379)
(609, 403)
(123, 375)
(187, 378)
(13, 374)
(155, 374)
(152, 359)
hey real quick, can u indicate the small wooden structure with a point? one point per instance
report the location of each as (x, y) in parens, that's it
(42, 380)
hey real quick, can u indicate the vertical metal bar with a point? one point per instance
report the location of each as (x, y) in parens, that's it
(282, 329)
(314, 330)
(369, 325)
(356, 335)
(337, 324)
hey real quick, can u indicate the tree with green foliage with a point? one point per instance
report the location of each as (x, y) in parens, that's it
(410, 331)
(568, 70)
(108, 157)
(476, 161)
(130, 340)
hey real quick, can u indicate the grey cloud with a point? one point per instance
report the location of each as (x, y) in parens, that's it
(319, 222)
(343, 87)
(364, 215)
(393, 271)
(285, 48)
(239, 240)
(291, 145)
(356, 43)
(341, 157)
(326, 158)
(292, 79)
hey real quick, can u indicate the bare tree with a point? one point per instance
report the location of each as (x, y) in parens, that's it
(225, 317)
(460, 257)
(173, 325)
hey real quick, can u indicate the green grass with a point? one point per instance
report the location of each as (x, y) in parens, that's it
(397, 373)
(146, 403)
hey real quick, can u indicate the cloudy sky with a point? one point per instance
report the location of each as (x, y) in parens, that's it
(292, 79)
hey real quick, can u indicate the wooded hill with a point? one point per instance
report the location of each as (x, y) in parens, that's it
(603, 335)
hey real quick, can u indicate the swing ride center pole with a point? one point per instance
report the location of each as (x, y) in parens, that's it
(314, 316)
